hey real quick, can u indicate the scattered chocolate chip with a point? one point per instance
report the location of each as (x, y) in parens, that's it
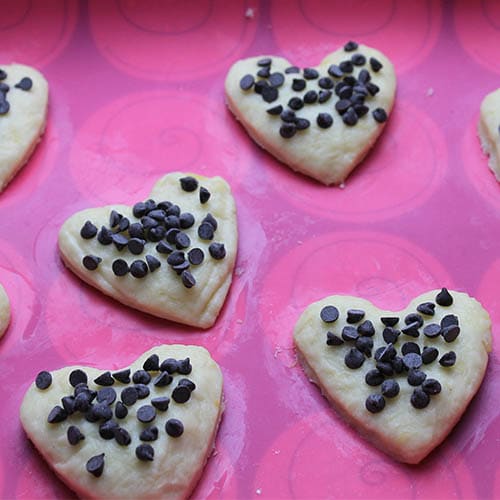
(129, 396)
(176, 258)
(431, 386)
(350, 117)
(346, 66)
(163, 379)
(169, 365)
(416, 377)
(120, 240)
(142, 390)
(310, 97)
(3, 74)
(105, 379)
(389, 388)
(205, 231)
(141, 377)
(25, 84)
(204, 195)
(429, 354)
(276, 79)
(412, 360)
(355, 315)
(74, 435)
(188, 183)
(397, 364)
(107, 429)
(182, 240)
(354, 359)
(329, 314)
(387, 353)
(43, 380)
(375, 64)
(146, 414)
(68, 403)
(380, 115)
(275, 110)
(374, 377)
(426, 308)
(152, 363)
(410, 347)
(88, 230)
(372, 88)
(324, 95)
(145, 452)
(326, 83)
(342, 105)
(310, 73)
(270, 94)
(77, 377)
(107, 395)
(366, 328)
(56, 415)
(120, 267)
(246, 83)
(295, 103)
(364, 345)
(95, 465)
(419, 399)
(122, 376)
(292, 69)
(138, 269)
(390, 334)
(174, 427)
(265, 61)
(298, 84)
(4, 106)
(358, 59)
(161, 403)
(139, 209)
(82, 402)
(164, 248)
(375, 403)
(450, 333)
(184, 366)
(350, 46)
(411, 330)
(217, 250)
(389, 320)
(449, 320)
(153, 263)
(181, 394)
(385, 367)
(364, 76)
(332, 339)
(188, 280)
(361, 110)
(149, 434)
(121, 410)
(324, 120)
(122, 437)
(414, 318)
(100, 411)
(135, 245)
(186, 220)
(114, 218)
(432, 330)
(335, 71)
(448, 359)
(349, 333)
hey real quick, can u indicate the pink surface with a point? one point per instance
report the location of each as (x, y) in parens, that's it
(136, 92)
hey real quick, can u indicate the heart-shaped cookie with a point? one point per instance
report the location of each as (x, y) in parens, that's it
(144, 431)
(4, 311)
(489, 130)
(24, 95)
(171, 256)
(402, 379)
(319, 121)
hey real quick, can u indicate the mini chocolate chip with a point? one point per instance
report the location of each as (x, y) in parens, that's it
(295, 103)
(364, 77)
(310, 73)
(25, 84)
(375, 64)
(152, 363)
(107, 395)
(350, 46)
(350, 117)
(380, 116)
(148, 223)
(410, 347)
(139, 209)
(412, 360)
(411, 330)
(375, 403)
(136, 230)
(188, 183)
(265, 61)
(292, 69)
(449, 320)
(188, 280)
(74, 435)
(182, 240)
(141, 377)
(43, 380)
(385, 367)
(416, 377)
(354, 359)
(145, 452)
(298, 84)
(121, 410)
(77, 377)
(122, 376)
(372, 88)
(288, 130)
(95, 465)
(374, 377)
(431, 386)
(164, 248)
(310, 97)
(205, 231)
(419, 399)
(246, 83)
(161, 403)
(342, 106)
(276, 79)
(450, 333)
(163, 379)
(184, 366)
(56, 415)
(324, 95)
(259, 86)
(181, 394)
(122, 437)
(326, 83)
(120, 267)
(358, 59)
(101, 411)
(324, 120)
(432, 330)
(105, 379)
(107, 429)
(149, 434)
(176, 258)
(332, 339)
(172, 222)
(346, 66)
(379, 352)
(174, 427)
(390, 320)
(429, 354)
(397, 364)
(142, 390)
(364, 345)
(329, 314)
(217, 250)
(155, 234)
(173, 210)
(355, 315)
(146, 414)
(275, 110)
(389, 388)
(153, 263)
(335, 71)
(81, 402)
(129, 396)
(349, 333)
(302, 123)
(387, 353)
(138, 269)
(169, 365)
(366, 328)
(88, 230)
(91, 262)
(4, 106)
(288, 116)
(68, 403)
(414, 318)
(186, 220)
(390, 334)
(114, 218)
(119, 240)
(270, 94)
(204, 195)
(136, 246)
(426, 308)
(3, 74)
(448, 359)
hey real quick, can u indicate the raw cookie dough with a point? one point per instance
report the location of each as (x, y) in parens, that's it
(158, 450)
(24, 94)
(124, 264)
(376, 398)
(489, 130)
(289, 111)
(4, 311)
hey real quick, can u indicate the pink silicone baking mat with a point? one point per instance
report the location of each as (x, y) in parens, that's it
(136, 91)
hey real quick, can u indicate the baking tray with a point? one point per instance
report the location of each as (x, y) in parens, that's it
(136, 91)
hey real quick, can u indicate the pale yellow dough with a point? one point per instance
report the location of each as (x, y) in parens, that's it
(405, 433)
(23, 125)
(178, 462)
(4, 311)
(327, 155)
(489, 130)
(161, 293)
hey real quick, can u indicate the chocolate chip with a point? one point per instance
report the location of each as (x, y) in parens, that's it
(155, 234)
(148, 223)
(95, 465)
(389, 320)
(100, 411)
(181, 394)
(411, 330)
(414, 318)
(161, 403)
(416, 377)
(260, 86)
(88, 230)
(450, 333)
(217, 250)
(276, 79)
(169, 365)
(105, 236)
(288, 130)
(364, 345)
(152, 363)
(56, 415)
(184, 366)
(204, 195)
(324, 120)
(419, 399)
(432, 330)
(295, 103)
(129, 396)
(412, 360)
(375, 403)
(426, 308)
(120, 267)
(342, 105)
(122, 376)
(3, 74)
(107, 395)
(205, 231)
(186, 220)
(358, 59)
(107, 429)
(142, 390)
(77, 377)
(302, 123)
(385, 367)
(288, 116)
(25, 84)
(389, 388)
(136, 246)
(121, 410)
(448, 359)
(174, 427)
(354, 359)
(146, 414)
(43, 380)
(350, 117)
(164, 248)
(188, 183)
(449, 320)
(124, 224)
(310, 73)
(138, 269)
(350, 46)
(310, 97)
(119, 240)
(372, 88)
(176, 258)
(139, 209)
(275, 110)
(410, 347)
(431, 386)
(335, 71)
(387, 353)
(265, 61)
(145, 452)
(74, 435)
(429, 354)
(349, 333)
(329, 314)
(4, 107)
(374, 377)
(82, 402)
(163, 379)
(326, 83)
(364, 77)
(182, 240)
(324, 95)
(298, 84)
(380, 115)
(122, 437)
(141, 377)
(149, 434)
(390, 334)
(366, 328)
(185, 382)
(105, 379)
(332, 339)
(246, 83)
(270, 94)
(292, 69)
(397, 364)
(375, 64)
(153, 263)
(346, 66)
(188, 280)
